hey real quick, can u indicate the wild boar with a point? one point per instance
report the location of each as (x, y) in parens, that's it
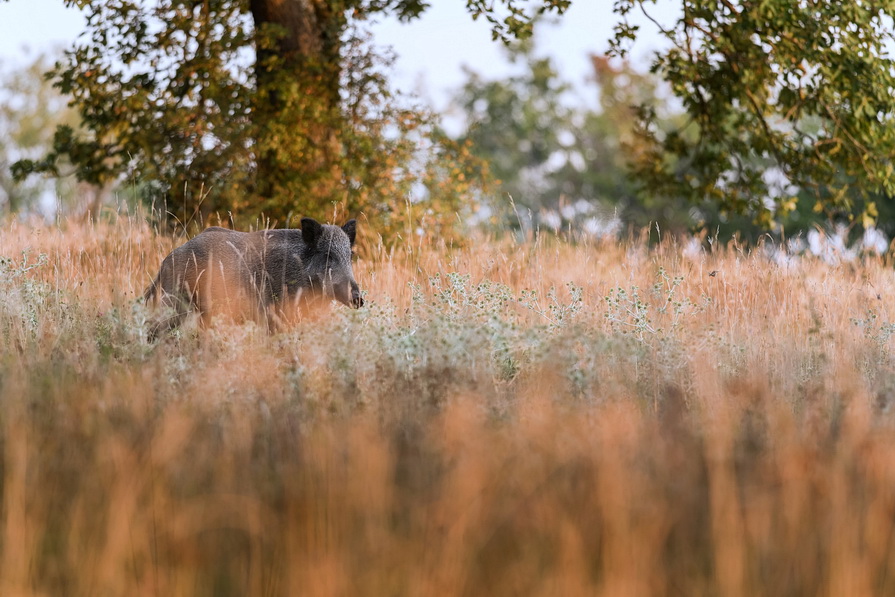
(268, 275)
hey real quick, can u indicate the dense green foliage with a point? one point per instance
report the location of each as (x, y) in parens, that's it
(157, 105)
(785, 100)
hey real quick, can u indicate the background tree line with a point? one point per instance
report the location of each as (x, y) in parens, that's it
(759, 116)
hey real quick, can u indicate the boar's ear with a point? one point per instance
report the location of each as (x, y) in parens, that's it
(310, 231)
(350, 229)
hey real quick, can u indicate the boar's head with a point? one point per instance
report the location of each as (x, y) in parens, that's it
(327, 260)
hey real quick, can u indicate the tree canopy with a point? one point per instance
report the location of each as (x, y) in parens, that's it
(281, 108)
(250, 107)
(786, 101)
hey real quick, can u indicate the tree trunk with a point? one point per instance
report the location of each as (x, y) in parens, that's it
(298, 112)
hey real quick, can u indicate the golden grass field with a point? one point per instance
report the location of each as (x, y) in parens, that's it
(663, 422)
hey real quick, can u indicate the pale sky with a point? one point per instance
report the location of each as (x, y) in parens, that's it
(431, 51)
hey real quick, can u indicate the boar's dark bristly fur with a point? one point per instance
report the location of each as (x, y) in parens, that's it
(268, 275)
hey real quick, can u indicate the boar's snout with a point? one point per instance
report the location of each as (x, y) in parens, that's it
(352, 298)
(357, 301)
(348, 294)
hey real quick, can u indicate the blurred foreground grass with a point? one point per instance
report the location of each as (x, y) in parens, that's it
(535, 419)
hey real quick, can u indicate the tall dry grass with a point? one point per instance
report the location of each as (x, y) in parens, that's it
(503, 419)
